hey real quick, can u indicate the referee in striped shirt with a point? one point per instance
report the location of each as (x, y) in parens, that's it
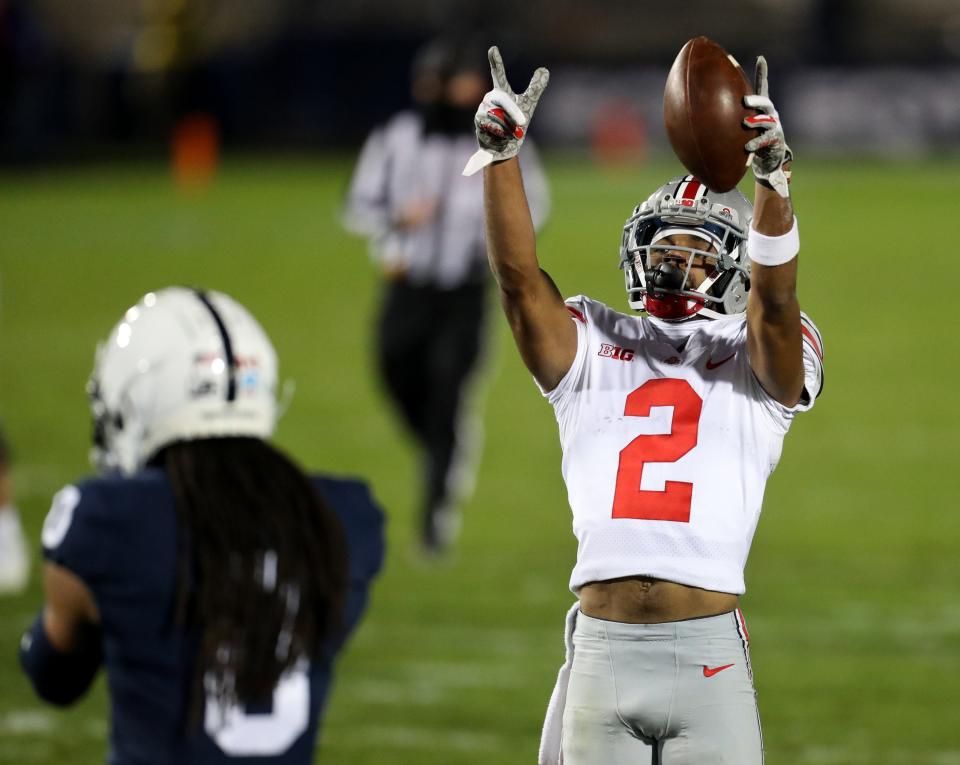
(425, 225)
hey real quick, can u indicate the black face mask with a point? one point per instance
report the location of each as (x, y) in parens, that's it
(447, 119)
(666, 275)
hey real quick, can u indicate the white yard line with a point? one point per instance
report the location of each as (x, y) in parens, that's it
(26, 722)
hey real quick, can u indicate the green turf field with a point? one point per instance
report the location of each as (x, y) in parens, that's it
(854, 580)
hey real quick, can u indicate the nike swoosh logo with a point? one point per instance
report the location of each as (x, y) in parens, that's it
(711, 671)
(711, 364)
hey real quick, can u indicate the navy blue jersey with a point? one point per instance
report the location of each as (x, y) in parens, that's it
(120, 536)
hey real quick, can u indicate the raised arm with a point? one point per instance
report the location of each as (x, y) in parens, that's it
(774, 338)
(541, 324)
(538, 318)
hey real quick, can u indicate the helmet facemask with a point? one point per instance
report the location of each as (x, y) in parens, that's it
(661, 285)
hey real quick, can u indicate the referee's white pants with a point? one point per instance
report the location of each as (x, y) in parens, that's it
(679, 693)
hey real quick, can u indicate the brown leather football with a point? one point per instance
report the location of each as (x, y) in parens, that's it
(703, 112)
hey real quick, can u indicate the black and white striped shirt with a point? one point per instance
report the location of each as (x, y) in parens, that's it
(400, 164)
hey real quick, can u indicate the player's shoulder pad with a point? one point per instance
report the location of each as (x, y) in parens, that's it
(811, 335)
(76, 527)
(347, 495)
(79, 508)
(362, 518)
(728, 327)
(85, 516)
(584, 309)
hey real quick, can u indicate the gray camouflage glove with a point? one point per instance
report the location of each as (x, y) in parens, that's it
(768, 151)
(504, 116)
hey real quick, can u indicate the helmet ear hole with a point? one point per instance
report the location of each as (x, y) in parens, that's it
(735, 297)
(99, 434)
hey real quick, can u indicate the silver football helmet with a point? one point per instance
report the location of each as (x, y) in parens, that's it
(685, 206)
(181, 364)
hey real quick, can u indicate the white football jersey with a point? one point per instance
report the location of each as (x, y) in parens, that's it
(668, 440)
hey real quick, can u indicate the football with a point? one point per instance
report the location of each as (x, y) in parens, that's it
(703, 113)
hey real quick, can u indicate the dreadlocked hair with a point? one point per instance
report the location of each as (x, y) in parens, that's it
(262, 565)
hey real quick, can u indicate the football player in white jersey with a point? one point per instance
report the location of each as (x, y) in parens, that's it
(670, 424)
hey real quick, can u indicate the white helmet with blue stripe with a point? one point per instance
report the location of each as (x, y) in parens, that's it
(685, 206)
(182, 364)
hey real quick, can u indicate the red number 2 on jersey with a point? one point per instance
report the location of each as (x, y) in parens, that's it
(673, 503)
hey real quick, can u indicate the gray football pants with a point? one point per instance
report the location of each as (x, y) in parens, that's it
(679, 693)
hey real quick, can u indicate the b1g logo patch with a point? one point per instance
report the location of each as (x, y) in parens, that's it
(608, 351)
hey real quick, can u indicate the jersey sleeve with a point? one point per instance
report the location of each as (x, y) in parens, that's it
(75, 532)
(363, 524)
(812, 364)
(812, 377)
(577, 308)
(365, 535)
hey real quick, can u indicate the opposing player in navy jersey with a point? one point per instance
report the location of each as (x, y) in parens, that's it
(671, 423)
(209, 575)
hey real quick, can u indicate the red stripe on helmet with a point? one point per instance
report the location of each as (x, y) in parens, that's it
(690, 192)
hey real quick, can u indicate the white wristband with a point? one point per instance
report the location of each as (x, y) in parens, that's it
(773, 250)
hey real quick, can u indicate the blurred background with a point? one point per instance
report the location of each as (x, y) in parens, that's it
(150, 142)
(281, 74)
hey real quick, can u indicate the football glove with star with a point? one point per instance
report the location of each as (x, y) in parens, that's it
(504, 116)
(769, 151)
